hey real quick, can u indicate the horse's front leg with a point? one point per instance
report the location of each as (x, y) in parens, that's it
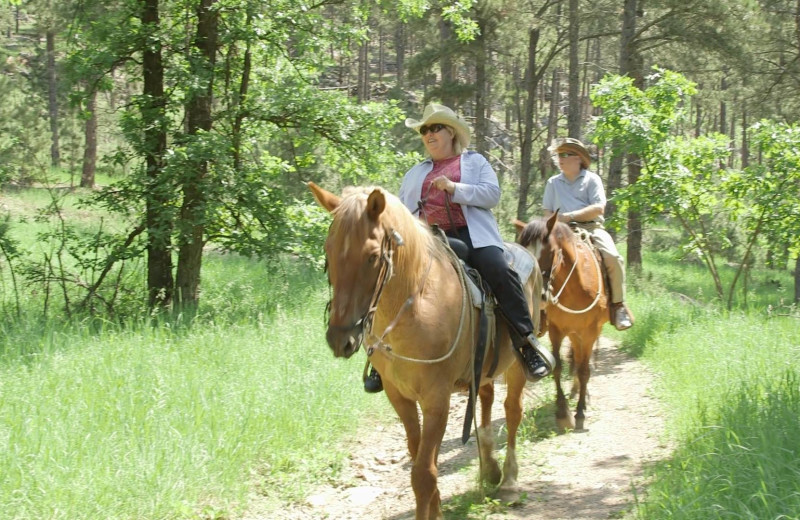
(515, 386)
(582, 374)
(490, 469)
(563, 419)
(407, 411)
(424, 473)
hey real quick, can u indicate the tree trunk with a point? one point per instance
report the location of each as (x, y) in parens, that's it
(745, 145)
(617, 156)
(381, 57)
(614, 182)
(481, 144)
(732, 135)
(90, 148)
(797, 277)
(517, 118)
(545, 157)
(400, 41)
(448, 72)
(586, 83)
(698, 120)
(344, 68)
(363, 72)
(366, 84)
(526, 150)
(574, 114)
(635, 224)
(627, 55)
(244, 87)
(797, 24)
(158, 219)
(634, 254)
(52, 105)
(193, 208)
(723, 108)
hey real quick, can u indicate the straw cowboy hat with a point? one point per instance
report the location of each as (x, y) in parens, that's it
(435, 113)
(569, 144)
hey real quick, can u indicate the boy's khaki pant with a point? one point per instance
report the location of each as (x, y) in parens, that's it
(615, 264)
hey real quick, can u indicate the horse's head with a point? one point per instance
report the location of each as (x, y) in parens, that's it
(354, 250)
(537, 236)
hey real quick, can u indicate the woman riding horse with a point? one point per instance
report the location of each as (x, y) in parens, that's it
(456, 189)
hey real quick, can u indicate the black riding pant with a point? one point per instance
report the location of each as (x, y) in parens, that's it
(504, 282)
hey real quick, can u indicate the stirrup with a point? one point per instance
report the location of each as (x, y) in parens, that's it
(545, 354)
(536, 363)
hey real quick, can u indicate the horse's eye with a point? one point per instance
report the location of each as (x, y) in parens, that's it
(373, 258)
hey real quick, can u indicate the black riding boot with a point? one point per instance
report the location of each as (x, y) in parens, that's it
(372, 382)
(536, 361)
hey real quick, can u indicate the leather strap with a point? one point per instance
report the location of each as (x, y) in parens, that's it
(480, 351)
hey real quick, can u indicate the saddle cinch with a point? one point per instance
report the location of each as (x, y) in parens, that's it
(482, 298)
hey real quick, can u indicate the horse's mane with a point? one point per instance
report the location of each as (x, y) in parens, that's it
(536, 230)
(412, 258)
(563, 233)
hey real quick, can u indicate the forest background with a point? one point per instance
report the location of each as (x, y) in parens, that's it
(149, 145)
(204, 120)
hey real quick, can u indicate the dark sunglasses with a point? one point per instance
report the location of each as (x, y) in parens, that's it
(435, 128)
(564, 155)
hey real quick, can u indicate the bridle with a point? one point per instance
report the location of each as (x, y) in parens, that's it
(391, 241)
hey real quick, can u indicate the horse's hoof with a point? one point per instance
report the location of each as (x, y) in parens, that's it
(492, 474)
(564, 424)
(509, 494)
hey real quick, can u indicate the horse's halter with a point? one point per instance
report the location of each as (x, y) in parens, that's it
(391, 241)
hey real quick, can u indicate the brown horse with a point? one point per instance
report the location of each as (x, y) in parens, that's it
(577, 304)
(395, 285)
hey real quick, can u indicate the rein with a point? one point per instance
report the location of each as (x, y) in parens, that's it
(385, 273)
(387, 348)
(555, 299)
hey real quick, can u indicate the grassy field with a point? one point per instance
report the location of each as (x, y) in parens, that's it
(730, 383)
(132, 421)
(154, 423)
(108, 420)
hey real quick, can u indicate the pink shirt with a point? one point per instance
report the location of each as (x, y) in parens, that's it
(434, 210)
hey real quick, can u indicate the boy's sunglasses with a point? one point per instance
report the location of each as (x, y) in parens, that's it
(564, 155)
(435, 128)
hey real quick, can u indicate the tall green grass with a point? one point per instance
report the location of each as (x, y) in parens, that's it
(738, 461)
(729, 382)
(124, 420)
(144, 422)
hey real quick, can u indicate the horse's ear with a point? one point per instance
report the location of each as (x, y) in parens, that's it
(324, 198)
(520, 225)
(551, 222)
(376, 203)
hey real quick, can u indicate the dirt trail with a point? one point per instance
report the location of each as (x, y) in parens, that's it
(579, 475)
